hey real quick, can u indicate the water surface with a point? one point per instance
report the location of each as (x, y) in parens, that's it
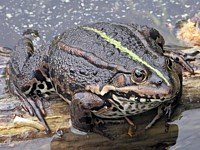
(52, 17)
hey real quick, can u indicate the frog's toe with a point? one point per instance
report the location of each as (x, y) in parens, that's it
(158, 116)
(39, 103)
(168, 111)
(25, 101)
(27, 107)
(163, 110)
(38, 114)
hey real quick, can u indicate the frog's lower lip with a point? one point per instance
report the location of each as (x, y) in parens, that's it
(136, 99)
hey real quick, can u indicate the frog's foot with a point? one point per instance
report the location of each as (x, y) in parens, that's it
(34, 107)
(158, 116)
(37, 110)
(131, 129)
(39, 104)
(180, 58)
(130, 122)
(163, 110)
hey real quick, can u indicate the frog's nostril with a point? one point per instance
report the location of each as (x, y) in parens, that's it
(156, 81)
(159, 82)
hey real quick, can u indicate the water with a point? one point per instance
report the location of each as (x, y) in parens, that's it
(189, 131)
(52, 17)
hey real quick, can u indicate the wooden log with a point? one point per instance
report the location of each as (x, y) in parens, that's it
(14, 132)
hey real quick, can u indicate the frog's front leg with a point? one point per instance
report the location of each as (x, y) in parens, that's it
(82, 117)
(166, 110)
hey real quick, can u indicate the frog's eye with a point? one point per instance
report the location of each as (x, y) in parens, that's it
(139, 75)
(169, 63)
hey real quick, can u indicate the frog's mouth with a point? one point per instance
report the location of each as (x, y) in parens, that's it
(135, 93)
(129, 100)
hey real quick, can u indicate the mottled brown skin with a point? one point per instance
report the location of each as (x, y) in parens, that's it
(29, 69)
(86, 71)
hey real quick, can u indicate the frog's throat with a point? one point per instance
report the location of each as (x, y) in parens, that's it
(123, 49)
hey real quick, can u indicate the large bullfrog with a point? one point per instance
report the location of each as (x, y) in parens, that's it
(103, 70)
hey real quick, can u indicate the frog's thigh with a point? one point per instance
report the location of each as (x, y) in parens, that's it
(81, 106)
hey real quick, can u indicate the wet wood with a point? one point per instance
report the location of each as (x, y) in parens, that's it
(58, 119)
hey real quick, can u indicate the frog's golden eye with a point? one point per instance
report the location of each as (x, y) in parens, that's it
(139, 75)
(169, 63)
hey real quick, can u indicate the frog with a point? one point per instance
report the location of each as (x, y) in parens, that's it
(103, 70)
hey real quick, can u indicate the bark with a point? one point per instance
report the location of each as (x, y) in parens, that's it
(13, 129)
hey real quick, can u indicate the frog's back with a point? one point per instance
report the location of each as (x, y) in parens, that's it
(127, 35)
(70, 72)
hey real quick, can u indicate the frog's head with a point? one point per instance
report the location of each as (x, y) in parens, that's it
(144, 84)
(150, 85)
(147, 73)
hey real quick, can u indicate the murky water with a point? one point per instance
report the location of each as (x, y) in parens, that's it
(189, 131)
(51, 17)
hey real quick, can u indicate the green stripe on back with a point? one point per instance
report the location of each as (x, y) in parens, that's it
(123, 49)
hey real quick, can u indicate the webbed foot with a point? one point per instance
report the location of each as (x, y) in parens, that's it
(180, 58)
(34, 107)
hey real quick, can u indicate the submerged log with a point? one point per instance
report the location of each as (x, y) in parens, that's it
(14, 128)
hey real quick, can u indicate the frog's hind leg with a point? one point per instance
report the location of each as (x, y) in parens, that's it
(26, 46)
(34, 107)
(22, 53)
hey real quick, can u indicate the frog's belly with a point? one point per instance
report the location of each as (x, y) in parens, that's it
(128, 109)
